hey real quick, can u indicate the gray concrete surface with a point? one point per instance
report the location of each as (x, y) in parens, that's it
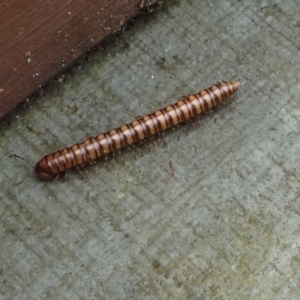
(225, 226)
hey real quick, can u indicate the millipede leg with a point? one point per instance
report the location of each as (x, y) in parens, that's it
(79, 171)
(120, 155)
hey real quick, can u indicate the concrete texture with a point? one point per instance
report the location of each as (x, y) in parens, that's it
(225, 226)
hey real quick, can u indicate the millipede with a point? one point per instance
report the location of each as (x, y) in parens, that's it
(111, 141)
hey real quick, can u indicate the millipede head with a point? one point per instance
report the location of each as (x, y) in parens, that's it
(42, 170)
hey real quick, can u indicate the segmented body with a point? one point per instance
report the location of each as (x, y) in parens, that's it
(138, 130)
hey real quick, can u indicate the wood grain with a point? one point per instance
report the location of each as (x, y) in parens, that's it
(39, 39)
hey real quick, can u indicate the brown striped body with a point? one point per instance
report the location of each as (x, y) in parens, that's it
(149, 125)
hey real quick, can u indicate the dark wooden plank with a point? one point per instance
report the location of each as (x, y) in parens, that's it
(39, 39)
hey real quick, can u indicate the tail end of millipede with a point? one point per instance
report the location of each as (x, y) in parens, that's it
(235, 85)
